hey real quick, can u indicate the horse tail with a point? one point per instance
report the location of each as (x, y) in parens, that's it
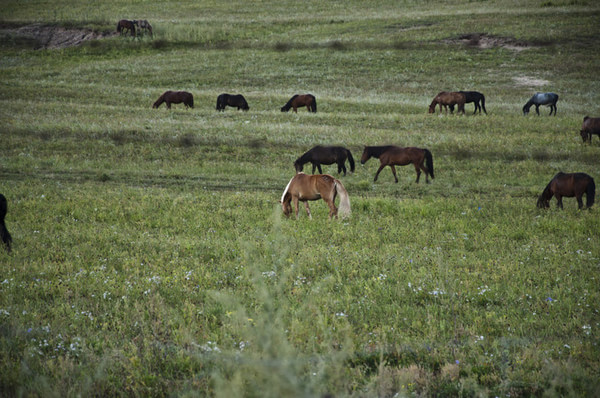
(590, 193)
(429, 162)
(4, 234)
(483, 103)
(344, 208)
(313, 106)
(350, 160)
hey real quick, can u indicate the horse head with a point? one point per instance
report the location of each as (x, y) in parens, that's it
(366, 155)
(298, 165)
(584, 135)
(542, 202)
(526, 108)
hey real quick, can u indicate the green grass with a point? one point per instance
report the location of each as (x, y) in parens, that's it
(150, 253)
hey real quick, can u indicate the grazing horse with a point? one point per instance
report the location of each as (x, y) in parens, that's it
(4, 234)
(237, 101)
(143, 25)
(569, 185)
(591, 125)
(392, 155)
(297, 101)
(125, 24)
(303, 187)
(326, 155)
(175, 97)
(538, 99)
(473, 96)
(446, 98)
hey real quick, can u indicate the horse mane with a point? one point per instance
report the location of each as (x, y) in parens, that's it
(287, 187)
(288, 104)
(160, 100)
(376, 151)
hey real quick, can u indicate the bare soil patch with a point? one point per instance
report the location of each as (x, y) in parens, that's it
(52, 37)
(482, 40)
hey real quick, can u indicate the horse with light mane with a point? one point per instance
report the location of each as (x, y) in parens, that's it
(303, 187)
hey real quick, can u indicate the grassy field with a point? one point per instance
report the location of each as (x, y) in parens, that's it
(150, 253)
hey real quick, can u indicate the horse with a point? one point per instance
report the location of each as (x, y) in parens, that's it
(392, 155)
(4, 234)
(538, 99)
(297, 101)
(569, 185)
(237, 101)
(319, 155)
(304, 187)
(175, 97)
(475, 97)
(125, 24)
(446, 98)
(591, 125)
(143, 25)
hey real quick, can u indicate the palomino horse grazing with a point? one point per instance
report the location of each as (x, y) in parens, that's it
(175, 97)
(569, 185)
(237, 101)
(591, 125)
(303, 187)
(125, 24)
(4, 234)
(143, 25)
(538, 99)
(326, 155)
(297, 101)
(446, 98)
(392, 155)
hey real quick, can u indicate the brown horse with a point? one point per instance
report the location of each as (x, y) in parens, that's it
(297, 101)
(392, 155)
(175, 97)
(125, 24)
(569, 185)
(303, 187)
(451, 98)
(591, 125)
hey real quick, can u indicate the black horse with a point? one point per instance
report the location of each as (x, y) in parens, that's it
(126, 25)
(326, 155)
(4, 234)
(473, 96)
(538, 99)
(569, 185)
(238, 101)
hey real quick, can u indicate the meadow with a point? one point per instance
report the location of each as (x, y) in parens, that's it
(151, 256)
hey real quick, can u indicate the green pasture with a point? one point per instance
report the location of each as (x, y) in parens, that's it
(150, 254)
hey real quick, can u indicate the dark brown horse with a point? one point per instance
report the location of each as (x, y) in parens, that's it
(569, 185)
(175, 97)
(303, 187)
(4, 234)
(297, 101)
(476, 98)
(237, 101)
(126, 25)
(591, 125)
(319, 155)
(392, 155)
(446, 98)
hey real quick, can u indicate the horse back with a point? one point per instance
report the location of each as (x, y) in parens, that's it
(591, 124)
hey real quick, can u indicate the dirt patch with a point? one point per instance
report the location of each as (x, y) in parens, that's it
(481, 40)
(530, 81)
(52, 37)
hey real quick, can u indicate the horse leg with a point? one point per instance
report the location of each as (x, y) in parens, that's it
(319, 167)
(342, 167)
(394, 172)
(537, 109)
(558, 201)
(168, 105)
(307, 210)
(295, 201)
(314, 167)
(378, 171)
(295, 109)
(418, 170)
(580, 201)
(332, 209)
